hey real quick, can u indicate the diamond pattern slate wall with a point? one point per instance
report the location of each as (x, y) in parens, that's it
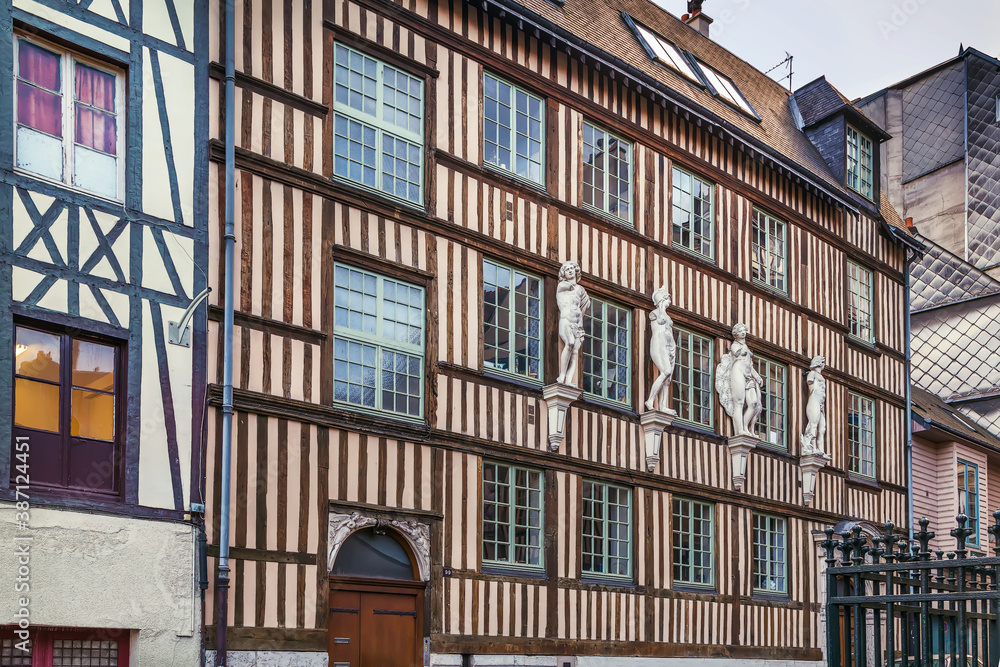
(933, 122)
(983, 229)
(940, 278)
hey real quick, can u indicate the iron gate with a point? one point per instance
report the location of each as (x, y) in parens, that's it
(895, 604)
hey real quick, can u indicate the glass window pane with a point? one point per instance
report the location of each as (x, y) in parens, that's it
(36, 405)
(93, 366)
(36, 354)
(93, 415)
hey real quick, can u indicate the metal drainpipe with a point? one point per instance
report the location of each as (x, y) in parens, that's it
(910, 254)
(222, 574)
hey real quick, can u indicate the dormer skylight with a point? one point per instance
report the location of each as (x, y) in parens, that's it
(684, 63)
(724, 87)
(665, 52)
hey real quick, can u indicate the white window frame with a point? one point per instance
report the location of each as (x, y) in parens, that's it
(770, 526)
(381, 126)
(675, 192)
(968, 502)
(603, 189)
(666, 52)
(861, 456)
(512, 147)
(67, 72)
(769, 262)
(860, 158)
(510, 326)
(764, 367)
(381, 343)
(727, 90)
(860, 302)
(512, 522)
(686, 387)
(605, 530)
(602, 354)
(694, 539)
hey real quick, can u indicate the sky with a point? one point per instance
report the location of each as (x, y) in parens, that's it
(861, 46)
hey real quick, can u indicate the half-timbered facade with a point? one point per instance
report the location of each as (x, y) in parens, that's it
(410, 178)
(103, 207)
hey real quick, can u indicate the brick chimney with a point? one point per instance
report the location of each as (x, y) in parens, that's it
(696, 18)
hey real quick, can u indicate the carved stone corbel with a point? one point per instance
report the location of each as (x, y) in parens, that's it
(811, 464)
(558, 398)
(739, 449)
(654, 422)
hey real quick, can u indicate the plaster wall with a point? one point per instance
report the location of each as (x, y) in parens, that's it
(98, 571)
(936, 202)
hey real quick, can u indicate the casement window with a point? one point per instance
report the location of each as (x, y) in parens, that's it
(770, 554)
(378, 125)
(58, 648)
(768, 251)
(859, 162)
(968, 497)
(512, 328)
(68, 118)
(861, 435)
(68, 409)
(607, 173)
(693, 382)
(378, 343)
(607, 351)
(693, 543)
(512, 516)
(607, 530)
(512, 126)
(692, 215)
(772, 420)
(860, 302)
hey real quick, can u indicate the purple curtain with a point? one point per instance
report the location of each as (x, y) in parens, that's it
(95, 109)
(39, 105)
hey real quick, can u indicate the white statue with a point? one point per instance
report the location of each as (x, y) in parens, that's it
(739, 384)
(812, 439)
(662, 350)
(573, 303)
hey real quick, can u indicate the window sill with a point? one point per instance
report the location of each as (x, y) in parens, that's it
(500, 171)
(775, 450)
(867, 483)
(512, 378)
(384, 197)
(513, 571)
(695, 589)
(775, 600)
(866, 347)
(597, 402)
(771, 289)
(610, 217)
(609, 582)
(380, 414)
(693, 253)
(695, 428)
(62, 185)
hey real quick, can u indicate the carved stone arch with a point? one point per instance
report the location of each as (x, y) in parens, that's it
(414, 533)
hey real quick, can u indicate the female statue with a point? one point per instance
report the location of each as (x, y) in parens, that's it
(812, 439)
(739, 384)
(662, 350)
(573, 302)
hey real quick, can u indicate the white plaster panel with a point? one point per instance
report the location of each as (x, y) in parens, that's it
(22, 222)
(155, 487)
(89, 307)
(119, 304)
(154, 274)
(105, 9)
(73, 24)
(180, 363)
(182, 255)
(103, 571)
(156, 20)
(55, 298)
(155, 177)
(178, 80)
(22, 282)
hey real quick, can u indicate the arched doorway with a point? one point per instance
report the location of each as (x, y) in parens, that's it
(376, 602)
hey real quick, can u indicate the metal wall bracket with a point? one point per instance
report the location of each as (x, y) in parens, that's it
(179, 333)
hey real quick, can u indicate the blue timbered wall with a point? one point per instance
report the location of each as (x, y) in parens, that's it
(122, 269)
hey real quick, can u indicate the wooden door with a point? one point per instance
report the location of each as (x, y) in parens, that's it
(372, 625)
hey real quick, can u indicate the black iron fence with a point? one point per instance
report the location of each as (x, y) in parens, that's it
(891, 603)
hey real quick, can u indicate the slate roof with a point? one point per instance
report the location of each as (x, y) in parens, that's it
(818, 100)
(935, 412)
(940, 278)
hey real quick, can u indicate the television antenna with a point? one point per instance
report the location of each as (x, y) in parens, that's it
(787, 64)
